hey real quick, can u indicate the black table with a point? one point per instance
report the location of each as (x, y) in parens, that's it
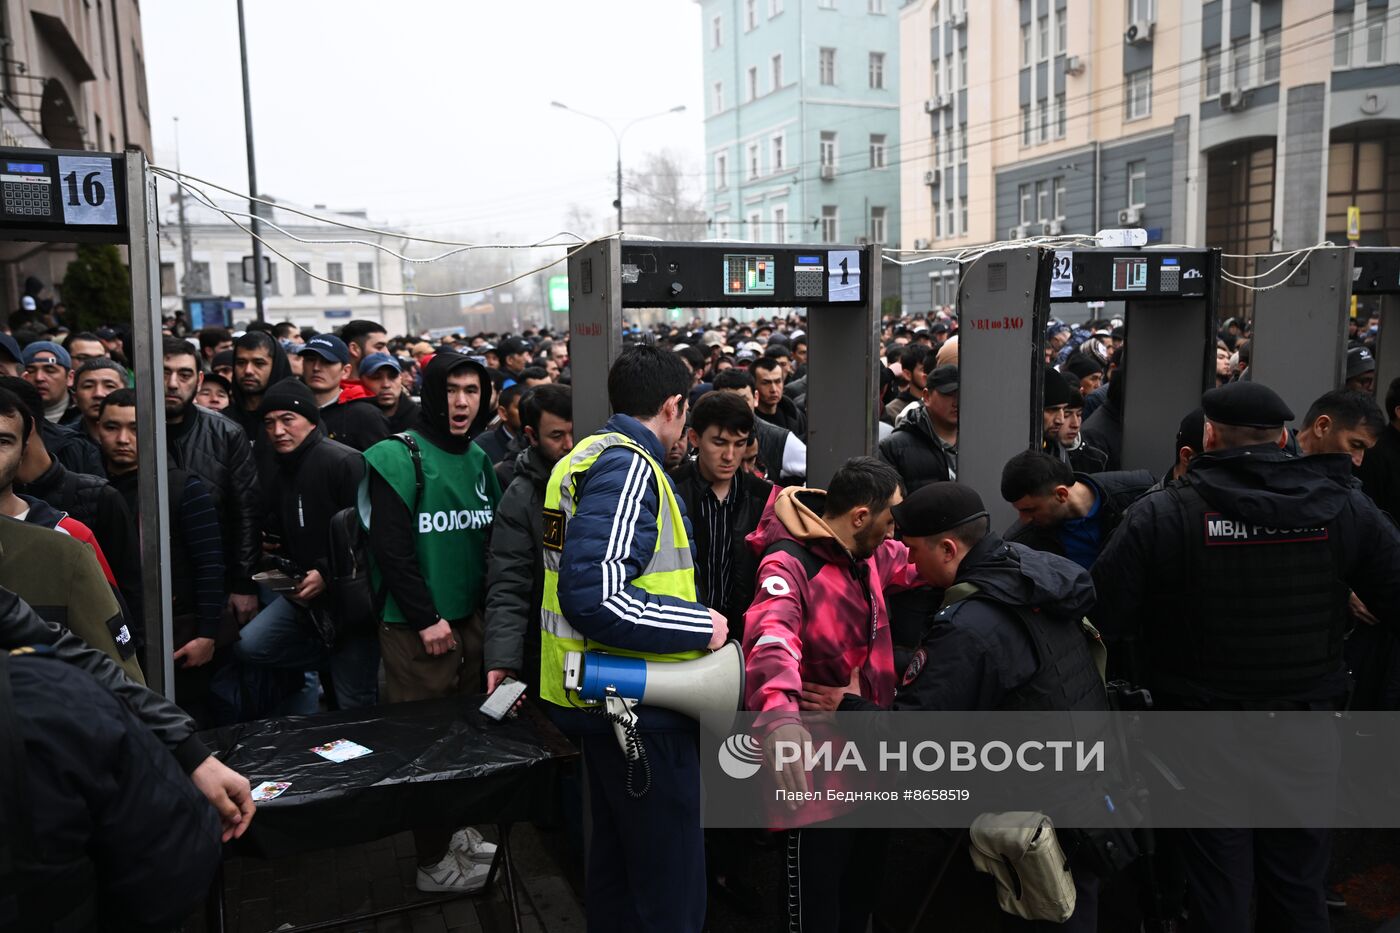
(432, 763)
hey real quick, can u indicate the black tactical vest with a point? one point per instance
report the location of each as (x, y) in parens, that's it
(1259, 613)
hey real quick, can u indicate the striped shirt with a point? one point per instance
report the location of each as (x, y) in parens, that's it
(712, 583)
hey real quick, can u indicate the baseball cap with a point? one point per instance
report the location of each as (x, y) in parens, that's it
(1360, 360)
(936, 508)
(11, 346)
(327, 347)
(46, 351)
(27, 303)
(379, 361)
(944, 379)
(513, 345)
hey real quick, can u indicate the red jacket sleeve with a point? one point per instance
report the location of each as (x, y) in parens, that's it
(773, 639)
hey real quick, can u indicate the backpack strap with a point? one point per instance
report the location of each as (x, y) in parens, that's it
(416, 452)
(811, 563)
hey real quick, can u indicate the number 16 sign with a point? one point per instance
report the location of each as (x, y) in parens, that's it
(86, 188)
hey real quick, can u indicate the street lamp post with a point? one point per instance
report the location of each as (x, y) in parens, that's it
(617, 138)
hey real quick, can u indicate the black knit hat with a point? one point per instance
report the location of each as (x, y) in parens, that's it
(1056, 389)
(290, 395)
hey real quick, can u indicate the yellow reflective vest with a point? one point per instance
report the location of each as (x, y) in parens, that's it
(670, 572)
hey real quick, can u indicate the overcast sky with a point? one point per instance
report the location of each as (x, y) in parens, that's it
(434, 113)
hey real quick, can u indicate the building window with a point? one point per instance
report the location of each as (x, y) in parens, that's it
(1375, 34)
(1272, 42)
(753, 82)
(102, 37)
(750, 14)
(962, 142)
(142, 102)
(962, 210)
(721, 171)
(826, 66)
(1341, 39)
(1042, 38)
(877, 71)
(301, 280)
(1211, 62)
(962, 67)
(1025, 124)
(1023, 199)
(236, 285)
(777, 62)
(1061, 116)
(167, 279)
(1239, 64)
(97, 134)
(877, 225)
(1027, 49)
(948, 220)
(753, 161)
(717, 32)
(937, 223)
(1061, 31)
(1043, 108)
(755, 226)
(828, 150)
(271, 287)
(935, 74)
(1137, 183)
(722, 228)
(828, 223)
(775, 152)
(1142, 10)
(1058, 185)
(877, 150)
(1042, 202)
(774, 8)
(366, 274)
(1139, 95)
(336, 273)
(780, 224)
(719, 96)
(876, 6)
(199, 283)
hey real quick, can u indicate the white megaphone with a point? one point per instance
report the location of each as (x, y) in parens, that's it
(714, 683)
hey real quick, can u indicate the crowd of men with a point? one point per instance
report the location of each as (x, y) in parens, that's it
(461, 462)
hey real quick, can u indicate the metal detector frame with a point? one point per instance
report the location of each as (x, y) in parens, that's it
(1376, 271)
(841, 417)
(136, 200)
(1299, 343)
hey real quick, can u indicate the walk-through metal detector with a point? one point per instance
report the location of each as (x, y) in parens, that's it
(1169, 300)
(63, 196)
(1376, 272)
(838, 285)
(1299, 345)
(1001, 327)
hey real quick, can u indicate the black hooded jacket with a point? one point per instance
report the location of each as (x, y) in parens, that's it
(1141, 576)
(915, 452)
(394, 541)
(238, 409)
(304, 489)
(977, 652)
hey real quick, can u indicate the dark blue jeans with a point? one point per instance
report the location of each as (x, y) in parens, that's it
(281, 636)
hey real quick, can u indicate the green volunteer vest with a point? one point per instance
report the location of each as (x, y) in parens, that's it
(670, 572)
(460, 492)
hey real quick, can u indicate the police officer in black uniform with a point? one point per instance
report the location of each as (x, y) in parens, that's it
(1008, 635)
(1229, 588)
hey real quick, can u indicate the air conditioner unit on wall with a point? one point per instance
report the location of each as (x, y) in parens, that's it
(828, 172)
(1140, 32)
(931, 105)
(957, 20)
(920, 244)
(1232, 100)
(1018, 232)
(1074, 65)
(1055, 228)
(1129, 216)
(932, 178)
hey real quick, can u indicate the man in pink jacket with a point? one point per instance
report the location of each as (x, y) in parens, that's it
(827, 560)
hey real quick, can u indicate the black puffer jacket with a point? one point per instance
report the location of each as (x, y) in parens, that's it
(515, 570)
(787, 415)
(216, 450)
(753, 494)
(71, 448)
(914, 451)
(1116, 491)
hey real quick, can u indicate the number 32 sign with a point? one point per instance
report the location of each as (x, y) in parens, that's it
(87, 189)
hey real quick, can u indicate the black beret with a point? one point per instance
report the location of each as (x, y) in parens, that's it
(1056, 389)
(936, 508)
(1246, 405)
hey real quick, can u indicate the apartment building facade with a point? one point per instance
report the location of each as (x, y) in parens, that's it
(802, 120)
(1251, 125)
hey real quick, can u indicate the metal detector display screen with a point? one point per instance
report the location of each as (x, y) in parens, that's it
(748, 274)
(1130, 274)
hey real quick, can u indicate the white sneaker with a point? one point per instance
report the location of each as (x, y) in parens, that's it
(453, 875)
(471, 847)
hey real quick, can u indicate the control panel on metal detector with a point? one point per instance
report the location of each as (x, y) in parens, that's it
(52, 192)
(1107, 275)
(743, 275)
